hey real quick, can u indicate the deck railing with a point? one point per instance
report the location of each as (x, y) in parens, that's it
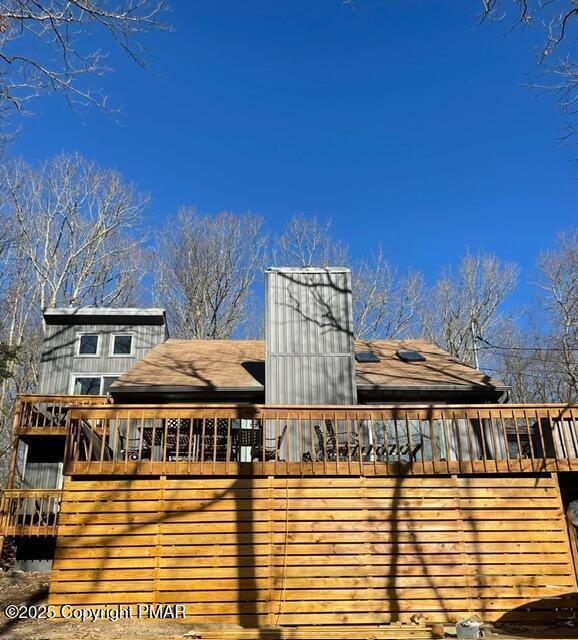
(41, 414)
(336, 440)
(29, 512)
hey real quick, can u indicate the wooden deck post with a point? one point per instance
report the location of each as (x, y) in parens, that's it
(13, 460)
(15, 443)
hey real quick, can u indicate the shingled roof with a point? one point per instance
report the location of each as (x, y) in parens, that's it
(238, 365)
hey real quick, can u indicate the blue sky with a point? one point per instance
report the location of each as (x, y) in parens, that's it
(401, 120)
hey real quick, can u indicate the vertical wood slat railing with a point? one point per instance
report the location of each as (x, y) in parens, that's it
(29, 512)
(47, 414)
(328, 440)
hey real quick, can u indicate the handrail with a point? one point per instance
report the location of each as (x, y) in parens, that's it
(30, 493)
(105, 402)
(65, 398)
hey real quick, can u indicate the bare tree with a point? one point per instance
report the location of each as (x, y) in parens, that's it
(387, 303)
(205, 269)
(559, 299)
(308, 242)
(519, 358)
(466, 306)
(45, 46)
(74, 239)
(6, 246)
(6, 237)
(557, 20)
(74, 226)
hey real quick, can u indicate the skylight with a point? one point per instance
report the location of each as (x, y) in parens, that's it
(410, 356)
(366, 356)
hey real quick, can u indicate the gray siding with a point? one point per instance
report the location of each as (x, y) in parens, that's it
(302, 379)
(309, 337)
(308, 311)
(43, 475)
(59, 361)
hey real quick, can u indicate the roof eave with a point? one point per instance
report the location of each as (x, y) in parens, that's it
(103, 311)
(181, 389)
(433, 387)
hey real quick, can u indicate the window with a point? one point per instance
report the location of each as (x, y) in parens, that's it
(88, 344)
(366, 356)
(518, 438)
(121, 345)
(87, 386)
(92, 385)
(106, 382)
(410, 356)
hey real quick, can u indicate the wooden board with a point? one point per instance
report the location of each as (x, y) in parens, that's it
(391, 632)
(298, 551)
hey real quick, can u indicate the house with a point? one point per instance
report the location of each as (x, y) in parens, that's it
(305, 479)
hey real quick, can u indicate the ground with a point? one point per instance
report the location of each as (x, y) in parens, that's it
(32, 588)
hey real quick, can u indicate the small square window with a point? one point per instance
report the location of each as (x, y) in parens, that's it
(87, 386)
(122, 345)
(88, 345)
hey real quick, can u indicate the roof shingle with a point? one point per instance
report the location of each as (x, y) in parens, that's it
(231, 364)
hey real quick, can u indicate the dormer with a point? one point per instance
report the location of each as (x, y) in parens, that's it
(85, 349)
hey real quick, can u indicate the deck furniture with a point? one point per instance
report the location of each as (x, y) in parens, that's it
(273, 446)
(330, 447)
(398, 452)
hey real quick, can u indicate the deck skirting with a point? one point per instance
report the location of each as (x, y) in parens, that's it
(318, 551)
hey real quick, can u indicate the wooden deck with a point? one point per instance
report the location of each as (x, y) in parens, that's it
(46, 415)
(29, 512)
(324, 551)
(273, 517)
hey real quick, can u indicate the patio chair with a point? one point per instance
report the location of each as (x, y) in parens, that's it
(329, 447)
(326, 442)
(272, 448)
(394, 452)
(94, 445)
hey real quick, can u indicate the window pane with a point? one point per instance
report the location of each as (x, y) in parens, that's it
(87, 386)
(88, 345)
(122, 345)
(107, 381)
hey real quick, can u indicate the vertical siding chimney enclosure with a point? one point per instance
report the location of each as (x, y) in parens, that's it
(309, 336)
